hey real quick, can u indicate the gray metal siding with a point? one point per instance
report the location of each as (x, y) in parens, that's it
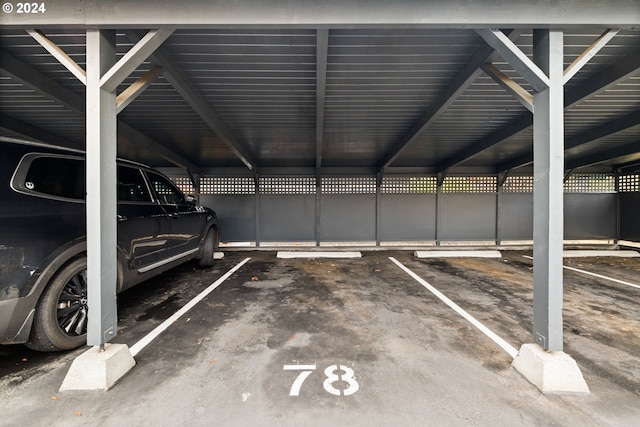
(515, 216)
(589, 216)
(629, 217)
(348, 218)
(467, 217)
(236, 216)
(288, 218)
(407, 217)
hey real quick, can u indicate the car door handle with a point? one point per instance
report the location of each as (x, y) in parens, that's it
(122, 218)
(174, 215)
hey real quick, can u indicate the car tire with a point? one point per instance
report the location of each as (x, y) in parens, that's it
(209, 248)
(60, 321)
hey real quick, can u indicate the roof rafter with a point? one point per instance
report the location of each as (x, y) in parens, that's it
(609, 76)
(184, 87)
(610, 128)
(516, 58)
(33, 132)
(625, 154)
(459, 84)
(48, 87)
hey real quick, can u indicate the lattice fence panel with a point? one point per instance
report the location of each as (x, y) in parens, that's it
(287, 185)
(470, 184)
(348, 185)
(227, 185)
(590, 183)
(409, 185)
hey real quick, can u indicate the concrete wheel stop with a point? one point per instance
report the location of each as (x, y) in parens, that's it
(98, 370)
(553, 372)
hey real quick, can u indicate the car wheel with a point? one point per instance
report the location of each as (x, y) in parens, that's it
(210, 245)
(60, 321)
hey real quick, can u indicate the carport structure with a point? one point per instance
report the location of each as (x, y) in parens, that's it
(356, 121)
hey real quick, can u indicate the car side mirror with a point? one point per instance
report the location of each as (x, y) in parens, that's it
(191, 200)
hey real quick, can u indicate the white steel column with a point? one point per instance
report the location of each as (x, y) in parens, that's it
(548, 161)
(101, 189)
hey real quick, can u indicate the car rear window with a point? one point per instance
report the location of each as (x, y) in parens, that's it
(56, 176)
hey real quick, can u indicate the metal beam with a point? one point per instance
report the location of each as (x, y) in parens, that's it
(60, 55)
(132, 92)
(548, 143)
(453, 90)
(589, 53)
(517, 91)
(610, 76)
(32, 132)
(338, 14)
(516, 58)
(322, 48)
(50, 88)
(625, 154)
(138, 138)
(514, 127)
(610, 128)
(29, 76)
(133, 58)
(184, 87)
(101, 198)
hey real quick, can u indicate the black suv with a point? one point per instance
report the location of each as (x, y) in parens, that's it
(43, 281)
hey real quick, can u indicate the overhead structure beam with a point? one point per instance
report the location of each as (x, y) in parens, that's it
(619, 71)
(514, 127)
(322, 51)
(516, 58)
(607, 77)
(26, 74)
(144, 141)
(589, 135)
(133, 58)
(60, 55)
(32, 132)
(589, 53)
(50, 88)
(132, 92)
(517, 91)
(184, 87)
(625, 154)
(458, 85)
(342, 14)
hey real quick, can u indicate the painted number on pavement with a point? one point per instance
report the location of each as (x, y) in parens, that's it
(333, 374)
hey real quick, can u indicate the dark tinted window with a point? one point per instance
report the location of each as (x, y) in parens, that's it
(56, 176)
(167, 193)
(131, 186)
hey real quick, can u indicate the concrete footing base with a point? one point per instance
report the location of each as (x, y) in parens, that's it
(553, 372)
(98, 370)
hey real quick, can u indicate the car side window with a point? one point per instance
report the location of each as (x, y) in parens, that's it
(131, 185)
(56, 176)
(166, 192)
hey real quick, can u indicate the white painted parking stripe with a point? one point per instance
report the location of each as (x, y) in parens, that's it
(137, 347)
(600, 276)
(511, 350)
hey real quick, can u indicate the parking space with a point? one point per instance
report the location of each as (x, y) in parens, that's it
(347, 341)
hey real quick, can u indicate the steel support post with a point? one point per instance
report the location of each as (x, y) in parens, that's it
(101, 190)
(548, 147)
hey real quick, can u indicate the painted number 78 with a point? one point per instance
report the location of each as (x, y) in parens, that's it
(334, 373)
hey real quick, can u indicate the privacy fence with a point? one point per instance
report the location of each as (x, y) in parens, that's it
(414, 210)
